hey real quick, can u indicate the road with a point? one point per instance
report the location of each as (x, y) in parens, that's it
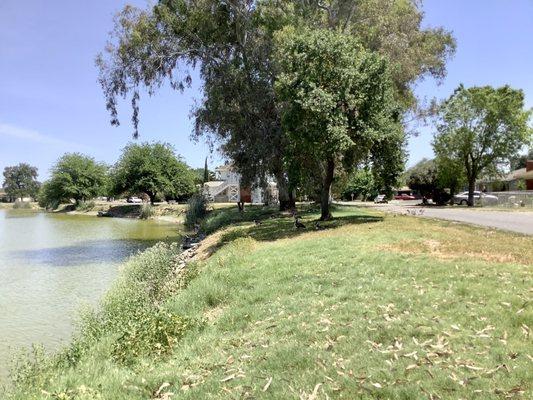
(518, 221)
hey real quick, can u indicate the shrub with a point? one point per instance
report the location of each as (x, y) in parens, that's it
(147, 211)
(85, 205)
(22, 204)
(196, 210)
(153, 332)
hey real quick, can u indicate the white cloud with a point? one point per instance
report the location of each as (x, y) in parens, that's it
(34, 136)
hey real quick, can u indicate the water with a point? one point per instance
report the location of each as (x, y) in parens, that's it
(51, 264)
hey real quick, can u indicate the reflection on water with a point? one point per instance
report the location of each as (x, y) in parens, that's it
(51, 264)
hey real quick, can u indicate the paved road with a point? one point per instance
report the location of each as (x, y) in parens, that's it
(519, 221)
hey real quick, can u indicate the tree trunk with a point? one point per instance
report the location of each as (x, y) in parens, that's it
(152, 197)
(326, 188)
(471, 188)
(286, 200)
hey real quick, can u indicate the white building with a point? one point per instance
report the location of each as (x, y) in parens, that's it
(226, 188)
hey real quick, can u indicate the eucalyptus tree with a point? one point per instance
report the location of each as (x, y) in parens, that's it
(230, 44)
(481, 128)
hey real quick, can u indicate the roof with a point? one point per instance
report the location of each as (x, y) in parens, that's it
(213, 183)
(518, 174)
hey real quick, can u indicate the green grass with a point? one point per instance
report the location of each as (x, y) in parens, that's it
(372, 307)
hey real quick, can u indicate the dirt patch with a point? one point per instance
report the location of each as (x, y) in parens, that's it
(448, 251)
(213, 314)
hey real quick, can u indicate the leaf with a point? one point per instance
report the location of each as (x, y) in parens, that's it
(265, 388)
(228, 378)
(376, 385)
(164, 385)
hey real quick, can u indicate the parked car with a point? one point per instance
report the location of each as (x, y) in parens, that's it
(380, 199)
(462, 198)
(404, 196)
(134, 199)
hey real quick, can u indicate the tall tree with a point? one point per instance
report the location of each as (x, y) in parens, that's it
(74, 177)
(154, 169)
(206, 172)
(520, 160)
(231, 42)
(481, 128)
(423, 177)
(324, 123)
(21, 181)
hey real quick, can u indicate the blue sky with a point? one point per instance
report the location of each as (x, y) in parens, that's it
(51, 103)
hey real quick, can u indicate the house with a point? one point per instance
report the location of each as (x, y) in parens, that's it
(226, 188)
(519, 179)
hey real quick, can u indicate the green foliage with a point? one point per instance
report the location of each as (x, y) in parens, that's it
(234, 44)
(196, 210)
(360, 183)
(422, 177)
(21, 181)
(147, 211)
(481, 128)
(154, 169)
(74, 177)
(130, 323)
(520, 160)
(326, 125)
(200, 175)
(151, 333)
(85, 205)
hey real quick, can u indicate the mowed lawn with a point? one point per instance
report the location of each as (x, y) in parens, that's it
(372, 307)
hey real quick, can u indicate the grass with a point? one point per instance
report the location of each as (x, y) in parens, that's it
(371, 307)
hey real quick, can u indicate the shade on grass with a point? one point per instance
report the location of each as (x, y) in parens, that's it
(371, 307)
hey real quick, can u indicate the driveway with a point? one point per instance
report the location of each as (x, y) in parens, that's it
(519, 221)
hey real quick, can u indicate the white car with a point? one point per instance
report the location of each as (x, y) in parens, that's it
(479, 197)
(135, 200)
(380, 199)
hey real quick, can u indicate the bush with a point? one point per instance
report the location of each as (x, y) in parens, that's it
(22, 204)
(147, 211)
(196, 210)
(85, 205)
(130, 322)
(154, 332)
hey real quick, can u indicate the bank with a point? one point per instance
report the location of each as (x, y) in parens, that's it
(365, 306)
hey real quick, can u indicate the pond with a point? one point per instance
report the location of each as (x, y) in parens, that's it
(52, 264)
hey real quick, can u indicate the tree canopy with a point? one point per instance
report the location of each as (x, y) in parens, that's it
(21, 181)
(75, 177)
(481, 128)
(338, 100)
(231, 44)
(154, 169)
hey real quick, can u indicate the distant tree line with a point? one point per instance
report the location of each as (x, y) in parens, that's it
(148, 169)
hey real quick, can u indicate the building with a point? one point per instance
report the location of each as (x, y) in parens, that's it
(226, 188)
(520, 179)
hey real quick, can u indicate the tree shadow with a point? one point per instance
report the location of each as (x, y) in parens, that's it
(269, 227)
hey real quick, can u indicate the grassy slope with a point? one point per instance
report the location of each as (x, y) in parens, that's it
(393, 308)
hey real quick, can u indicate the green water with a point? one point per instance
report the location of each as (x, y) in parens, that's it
(51, 264)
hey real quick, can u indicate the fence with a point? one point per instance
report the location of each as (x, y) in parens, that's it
(513, 199)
